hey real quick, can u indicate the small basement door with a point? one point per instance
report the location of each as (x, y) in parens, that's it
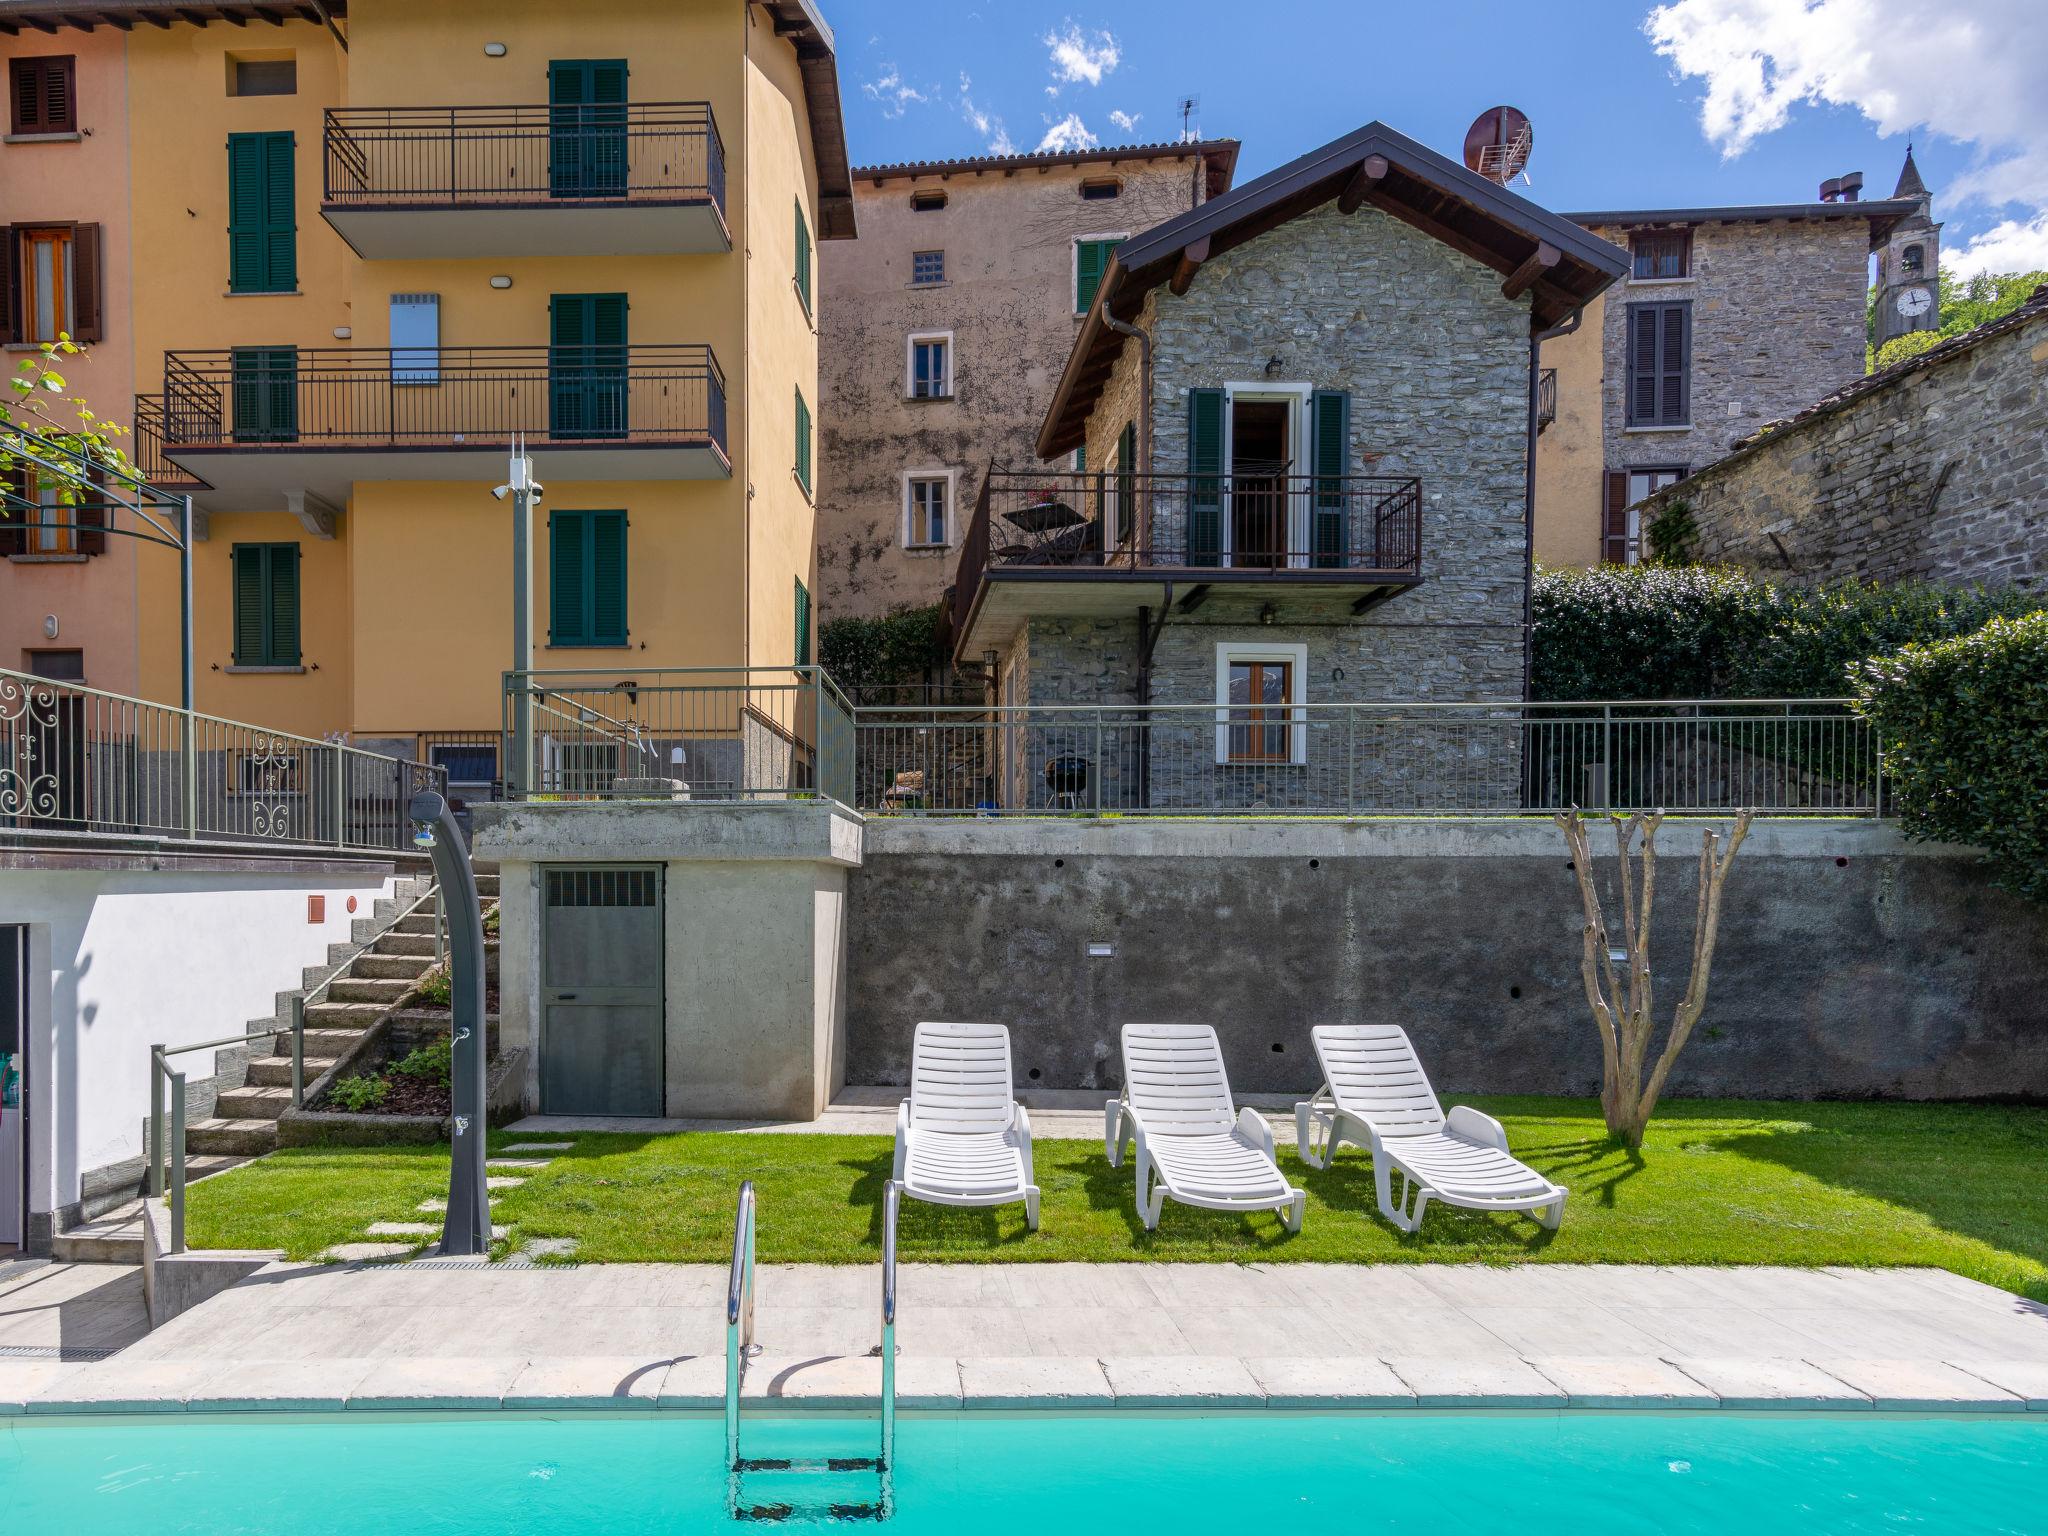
(601, 998)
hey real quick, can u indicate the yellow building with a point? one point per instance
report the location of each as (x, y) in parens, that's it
(373, 240)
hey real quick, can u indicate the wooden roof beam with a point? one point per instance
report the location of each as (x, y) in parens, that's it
(124, 23)
(1191, 258)
(1523, 278)
(194, 17)
(1372, 169)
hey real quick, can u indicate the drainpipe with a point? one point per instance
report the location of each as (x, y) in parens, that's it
(1565, 328)
(320, 8)
(1111, 283)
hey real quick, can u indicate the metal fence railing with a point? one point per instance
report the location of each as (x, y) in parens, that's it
(1785, 757)
(710, 733)
(79, 762)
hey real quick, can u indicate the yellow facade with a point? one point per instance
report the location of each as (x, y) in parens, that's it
(1571, 451)
(406, 595)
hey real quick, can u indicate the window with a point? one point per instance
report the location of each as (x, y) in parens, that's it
(1091, 260)
(1621, 541)
(803, 443)
(263, 77)
(53, 528)
(803, 623)
(42, 94)
(47, 285)
(57, 666)
(264, 386)
(588, 391)
(927, 499)
(927, 267)
(803, 258)
(1913, 259)
(1259, 695)
(1101, 190)
(263, 254)
(586, 578)
(930, 372)
(266, 605)
(927, 202)
(1659, 378)
(587, 135)
(1661, 254)
(51, 518)
(50, 282)
(1126, 483)
(415, 338)
(466, 762)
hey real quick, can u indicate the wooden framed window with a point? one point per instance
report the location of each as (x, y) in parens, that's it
(1621, 527)
(587, 578)
(42, 94)
(50, 281)
(1126, 485)
(928, 201)
(266, 595)
(1661, 254)
(263, 239)
(1101, 189)
(927, 506)
(926, 268)
(1091, 260)
(929, 372)
(1259, 716)
(1660, 365)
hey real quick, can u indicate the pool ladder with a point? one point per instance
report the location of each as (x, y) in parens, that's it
(739, 1347)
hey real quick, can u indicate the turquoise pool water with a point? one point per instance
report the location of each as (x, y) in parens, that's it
(975, 1475)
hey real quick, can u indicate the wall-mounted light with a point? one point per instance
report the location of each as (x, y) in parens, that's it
(1267, 614)
(343, 332)
(494, 50)
(501, 281)
(1101, 951)
(49, 626)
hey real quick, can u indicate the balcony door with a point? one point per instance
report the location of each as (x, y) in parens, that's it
(1266, 453)
(587, 128)
(587, 365)
(265, 383)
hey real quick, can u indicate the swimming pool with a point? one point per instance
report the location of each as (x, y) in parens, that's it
(1118, 1472)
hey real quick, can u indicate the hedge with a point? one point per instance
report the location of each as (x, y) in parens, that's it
(1676, 632)
(1964, 723)
(884, 652)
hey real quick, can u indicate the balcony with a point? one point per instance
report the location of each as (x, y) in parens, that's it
(1046, 544)
(255, 422)
(1546, 398)
(443, 182)
(147, 449)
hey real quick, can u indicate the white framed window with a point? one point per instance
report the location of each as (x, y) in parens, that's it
(1260, 691)
(928, 507)
(928, 365)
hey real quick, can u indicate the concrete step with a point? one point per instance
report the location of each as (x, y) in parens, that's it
(322, 1045)
(344, 1015)
(374, 967)
(405, 944)
(276, 1071)
(247, 1137)
(368, 989)
(256, 1103)
(114, 1237)
(417, 923)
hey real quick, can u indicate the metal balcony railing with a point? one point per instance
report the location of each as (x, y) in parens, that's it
(447, 397)
(148, 450)
(522, 156)
(1546, 398)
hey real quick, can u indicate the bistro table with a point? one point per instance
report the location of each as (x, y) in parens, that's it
(1044, 517)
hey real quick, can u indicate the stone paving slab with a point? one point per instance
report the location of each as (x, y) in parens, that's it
(1034, 1381)
(1326, 1383)
(588, 1381)
(2025, 1379)
(23, 1380)
(1476, 1383)
(430, 1383)
(286, 1386)
(1766, 1383)
(1626, 1382)
(1921, 1386)
(1182, 1381)
(123, 1386)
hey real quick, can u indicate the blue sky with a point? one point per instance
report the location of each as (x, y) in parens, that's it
(1634, 105)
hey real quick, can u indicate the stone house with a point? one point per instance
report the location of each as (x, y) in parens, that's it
(943, 328)
(1306, 411)
(1727, 318)
(1935, 468)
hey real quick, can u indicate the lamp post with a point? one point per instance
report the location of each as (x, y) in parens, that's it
(524, 491)
(467, 1230)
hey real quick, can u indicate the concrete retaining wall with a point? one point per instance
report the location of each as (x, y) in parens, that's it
(1851, 962)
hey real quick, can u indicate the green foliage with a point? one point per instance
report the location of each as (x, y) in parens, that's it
(1964, 722)
(878, 653)
(1962, 304)
(434, 1062)
(29, 415)
(436, 990)
(356, 1094)
(1899, 348)
(1673, 534)
(1675, 632)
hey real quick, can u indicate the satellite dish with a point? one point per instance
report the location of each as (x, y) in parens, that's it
(1497, 144)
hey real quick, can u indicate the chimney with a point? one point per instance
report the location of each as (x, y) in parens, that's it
(1852, 187)
(1831, 189)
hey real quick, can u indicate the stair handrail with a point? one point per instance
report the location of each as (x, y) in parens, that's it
(739, 1318)
(892, 1200)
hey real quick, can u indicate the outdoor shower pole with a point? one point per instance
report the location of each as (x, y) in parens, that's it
(524, 493)
(467, 1230)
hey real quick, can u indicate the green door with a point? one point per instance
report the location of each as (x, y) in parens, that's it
(265, 382)
(587, 365)
(587, 128)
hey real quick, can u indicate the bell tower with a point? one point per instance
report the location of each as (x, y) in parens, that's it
(1907, 296)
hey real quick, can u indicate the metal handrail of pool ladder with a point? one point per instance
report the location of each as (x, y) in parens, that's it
(739, 1320)
(892, 1200)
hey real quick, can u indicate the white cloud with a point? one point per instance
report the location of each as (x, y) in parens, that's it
(987, 124)
(1079, 60)
(1126, 122)
(1069, 133)
(2011, 246)
(894, 97)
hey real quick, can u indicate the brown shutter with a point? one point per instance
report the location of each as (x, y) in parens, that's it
(10, 285)
(1614, 519)
(13, 535)
(91, 515)
(87, 280)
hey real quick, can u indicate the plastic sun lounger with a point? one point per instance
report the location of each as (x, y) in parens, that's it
(961, 1137)
(1376, 1095)
(1176, 1105)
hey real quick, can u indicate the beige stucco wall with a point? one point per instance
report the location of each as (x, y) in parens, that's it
(1569, 460)
(83, 181)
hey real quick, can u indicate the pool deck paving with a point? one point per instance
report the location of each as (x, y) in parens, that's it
(466, 1336)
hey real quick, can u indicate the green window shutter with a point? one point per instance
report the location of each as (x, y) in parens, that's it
(262, 221)
(587, 151)
(587, 368)
(803, 443)
(1330, 411)
(803, 623)
(264, 382)
(284, 605)
(1126, 481)
(568, 614)
(266, 598)
(1205, 466)
(607, 564)
(1091, 260)
(248, 563)
(803, 257)
(280, 221)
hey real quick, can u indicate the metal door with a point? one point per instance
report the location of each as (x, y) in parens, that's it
(601, 996)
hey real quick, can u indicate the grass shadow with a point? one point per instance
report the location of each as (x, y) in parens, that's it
(1346, 1188)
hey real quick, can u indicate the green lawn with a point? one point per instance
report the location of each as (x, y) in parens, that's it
(1718, 1182)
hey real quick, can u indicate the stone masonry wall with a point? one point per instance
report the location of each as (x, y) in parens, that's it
(1939, 474)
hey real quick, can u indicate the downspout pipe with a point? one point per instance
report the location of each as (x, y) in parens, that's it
(1536, 340)
(320, 8)
(1111, 282)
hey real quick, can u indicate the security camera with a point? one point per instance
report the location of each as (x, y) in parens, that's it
(502, 491)
(534, 492)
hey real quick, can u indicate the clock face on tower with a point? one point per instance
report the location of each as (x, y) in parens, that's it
(1915, 302)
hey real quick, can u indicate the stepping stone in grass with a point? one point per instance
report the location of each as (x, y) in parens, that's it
(515, 1162)
(359, 1253)
(503, 1182)
(440, 1207)
(541, 1146)
(549, 1247)
(401, 1229)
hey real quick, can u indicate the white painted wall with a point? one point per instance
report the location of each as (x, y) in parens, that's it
(122, 960)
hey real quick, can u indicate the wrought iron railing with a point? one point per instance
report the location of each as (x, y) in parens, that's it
(522, 156)
(148, 451)
(1546, 398)
(1785, 757)
(76, 762)
(710, 733)
(267, 398)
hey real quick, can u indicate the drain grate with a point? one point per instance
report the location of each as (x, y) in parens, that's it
(58, 1351)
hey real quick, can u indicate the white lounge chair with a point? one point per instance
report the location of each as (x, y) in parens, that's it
(1376, 1095)
(961, 1137)
(1176, 1105)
